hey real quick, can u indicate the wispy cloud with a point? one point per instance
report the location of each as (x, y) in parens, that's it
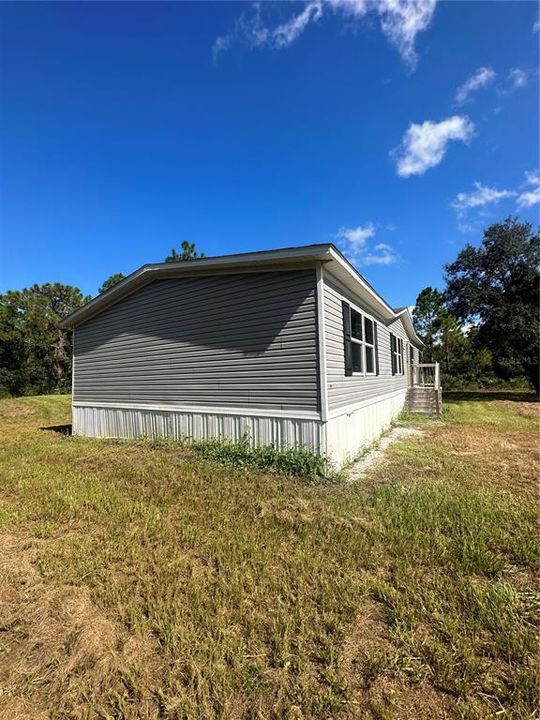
(479, 79)
(285, 34)
(354, 242)
(517, 78)
(532, 177)
(383, 254)
(531, 194)
(401, 21)
(482, 196)
(356, 237)
(529, 197)
(424, 146)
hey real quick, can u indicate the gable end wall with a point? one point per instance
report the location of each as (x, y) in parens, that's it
(244, 341)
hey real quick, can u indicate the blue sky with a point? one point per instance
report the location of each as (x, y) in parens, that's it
(128, 127)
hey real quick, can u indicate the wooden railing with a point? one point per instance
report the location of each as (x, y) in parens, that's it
(426, 375)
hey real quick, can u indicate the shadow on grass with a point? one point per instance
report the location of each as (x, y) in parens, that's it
(61, 429)
(487, 395)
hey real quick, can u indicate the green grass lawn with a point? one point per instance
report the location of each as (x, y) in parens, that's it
(138, 580)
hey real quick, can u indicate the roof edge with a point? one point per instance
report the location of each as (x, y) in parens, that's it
(405, 313)
(374, 298)
(323, 252)
(148, 272)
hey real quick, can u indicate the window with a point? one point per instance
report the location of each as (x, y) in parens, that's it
(360, 343)
(369, 342)
(411, 358)
(356, 339)
(396, 350)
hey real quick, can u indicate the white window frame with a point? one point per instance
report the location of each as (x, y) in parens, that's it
(398, 353)
(370, 345)
(363, 343)
(399, 356)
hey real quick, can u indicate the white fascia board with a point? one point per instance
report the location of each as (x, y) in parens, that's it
(352, 279)
(348, 276)
(405, 315)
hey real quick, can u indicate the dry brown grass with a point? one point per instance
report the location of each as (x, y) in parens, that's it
(58, 647)
(137, 581)
(378, 684)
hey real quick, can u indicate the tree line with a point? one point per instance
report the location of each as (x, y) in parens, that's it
(483, 327)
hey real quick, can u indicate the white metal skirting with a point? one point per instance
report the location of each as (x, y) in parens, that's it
(117, 422)
(348, 433)
(341, 437)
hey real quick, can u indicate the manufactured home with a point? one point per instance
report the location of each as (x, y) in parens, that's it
(293, 347)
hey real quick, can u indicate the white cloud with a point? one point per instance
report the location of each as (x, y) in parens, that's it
(356, 237)
(424, 146)
(354, 243)
(528, 198)
(478, 198)
(482, 77)
(354, 8)
(285, 34)
(482, 195)
(532, 177)
(401, 21)
(527, 195)
(536, 26)
(517, 78)
(382, 254)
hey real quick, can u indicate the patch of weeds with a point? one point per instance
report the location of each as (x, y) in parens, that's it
(292, 461)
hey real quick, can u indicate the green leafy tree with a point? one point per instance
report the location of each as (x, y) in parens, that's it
(110, 281)
(496, 287)
(35, 355)
(188, 251)
(427, 315)
(453, 350)
(446, 341)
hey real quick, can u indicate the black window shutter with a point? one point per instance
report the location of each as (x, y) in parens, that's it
(347, 338)
(392, 352)
(376, 343)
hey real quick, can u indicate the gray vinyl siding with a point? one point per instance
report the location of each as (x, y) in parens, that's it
(243, 340)
(347, 391)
